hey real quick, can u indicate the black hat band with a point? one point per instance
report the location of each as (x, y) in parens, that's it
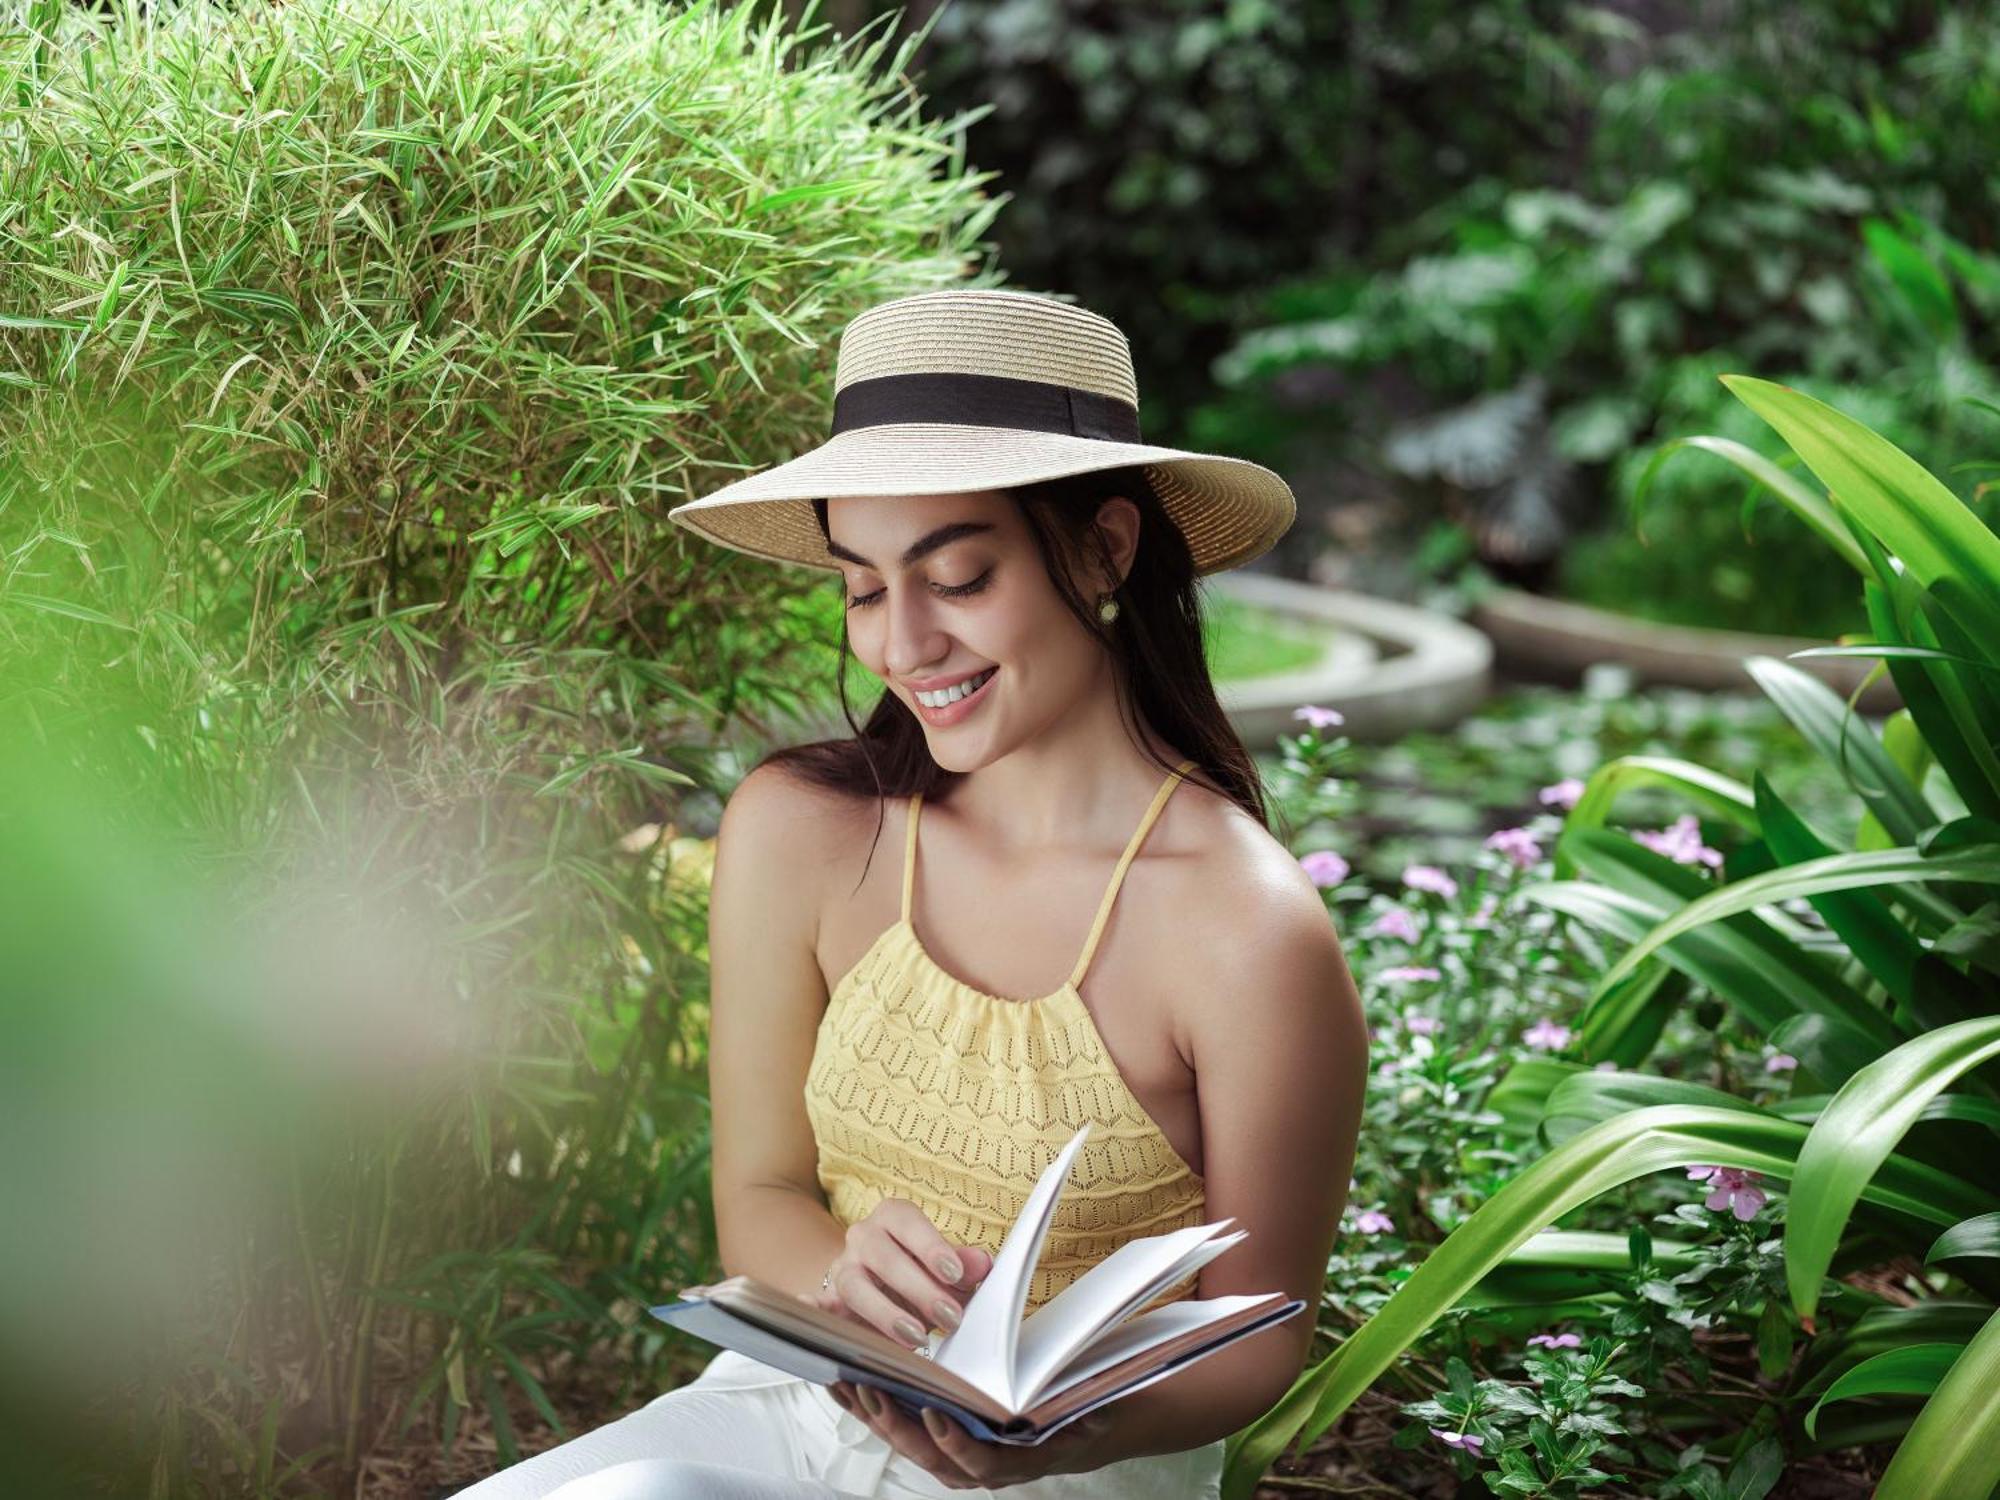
(984, 401)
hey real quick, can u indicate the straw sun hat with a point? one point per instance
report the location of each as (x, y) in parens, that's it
(976, 389)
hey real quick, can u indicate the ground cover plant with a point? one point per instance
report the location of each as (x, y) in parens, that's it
(1843, 980)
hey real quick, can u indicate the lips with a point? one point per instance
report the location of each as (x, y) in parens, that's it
(958, 708)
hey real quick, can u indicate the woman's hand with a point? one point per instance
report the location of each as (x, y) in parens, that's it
(959, 1461)
(900, 1276)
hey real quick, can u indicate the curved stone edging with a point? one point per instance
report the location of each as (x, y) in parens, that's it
(1394, 668)
(1555, 639)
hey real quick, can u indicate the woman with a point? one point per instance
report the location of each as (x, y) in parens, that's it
(1020, 572)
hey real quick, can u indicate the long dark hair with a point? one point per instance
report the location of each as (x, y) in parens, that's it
(1156, 643)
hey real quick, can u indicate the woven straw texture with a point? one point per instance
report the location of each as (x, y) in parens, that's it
(1229, 509)
(1008, 333)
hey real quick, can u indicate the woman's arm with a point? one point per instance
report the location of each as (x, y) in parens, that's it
(1281, 1057)
(766, 997)
(1281, 1062)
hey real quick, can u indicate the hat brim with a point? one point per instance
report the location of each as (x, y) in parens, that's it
(1229, 509)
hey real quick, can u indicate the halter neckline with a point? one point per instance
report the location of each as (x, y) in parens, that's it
(1104, 905)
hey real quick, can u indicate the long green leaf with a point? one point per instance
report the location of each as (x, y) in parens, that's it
(1941, 542)
(1759, 971)
(1602, 1158)
(1722, 795)
(1837, 872)
(1847, 744)
(1863, 922)
(1855, 1134)
(1806, 503)
(1936, 1320)
(1977, 1238)
(1938, 694)
(1912, 1371)
(1952, 1450)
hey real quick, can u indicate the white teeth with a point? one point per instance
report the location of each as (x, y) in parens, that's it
(955, 692)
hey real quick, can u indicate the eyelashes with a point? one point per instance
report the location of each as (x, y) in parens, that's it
(950, 591)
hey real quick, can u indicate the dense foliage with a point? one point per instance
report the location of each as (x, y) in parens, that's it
(361, 719)
(1841, 982)
(350, 357)
(1459, 268)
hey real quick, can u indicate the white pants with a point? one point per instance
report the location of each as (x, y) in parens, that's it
(744, 1430)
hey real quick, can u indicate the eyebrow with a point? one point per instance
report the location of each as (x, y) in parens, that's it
(922, 547)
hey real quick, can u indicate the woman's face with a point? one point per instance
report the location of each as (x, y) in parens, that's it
(949, 591)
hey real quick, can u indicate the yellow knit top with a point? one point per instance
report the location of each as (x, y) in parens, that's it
(925, 1088)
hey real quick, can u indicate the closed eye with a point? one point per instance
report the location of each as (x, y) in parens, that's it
(948, 590)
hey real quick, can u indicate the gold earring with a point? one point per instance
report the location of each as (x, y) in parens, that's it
(1107, 609)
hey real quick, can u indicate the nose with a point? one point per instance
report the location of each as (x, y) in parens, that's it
(912, 640)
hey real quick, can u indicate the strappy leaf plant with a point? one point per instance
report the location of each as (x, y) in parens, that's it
(1871, 955)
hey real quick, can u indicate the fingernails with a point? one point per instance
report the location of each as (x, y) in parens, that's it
(949, 1268)
(947, 1314)
(934, 1421)
(872, 1401)
(907, 1327)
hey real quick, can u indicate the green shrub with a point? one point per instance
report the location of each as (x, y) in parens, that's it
(351, 354)
(1798, 193)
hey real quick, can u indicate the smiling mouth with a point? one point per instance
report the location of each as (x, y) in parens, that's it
(961, 691)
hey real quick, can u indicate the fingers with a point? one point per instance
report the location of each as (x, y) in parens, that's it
(944, 1263)
(978, 1260)
(911, 1436)
(871, 1305)
(893, 1291)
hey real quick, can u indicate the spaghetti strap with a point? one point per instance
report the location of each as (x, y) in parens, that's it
(1118, 875)
(910, 851)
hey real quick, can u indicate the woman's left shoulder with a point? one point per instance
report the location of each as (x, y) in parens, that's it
(1238, 879)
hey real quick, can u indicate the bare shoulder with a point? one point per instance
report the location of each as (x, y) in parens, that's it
(775, 803)
(781, 832)
(1250, 922)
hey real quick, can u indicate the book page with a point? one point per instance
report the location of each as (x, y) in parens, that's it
(1106, 1294)
(981, 1349)
(1148, 1331)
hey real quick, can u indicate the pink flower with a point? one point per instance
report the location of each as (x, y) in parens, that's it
(1323, 867)
(1395, 923)
(1563, 794)
(1467, 1441)
(1423, 1025)
(1557, 1340)
(1373, 1221)
(1484, 916)
(1731, 1188)
(1546, 1036)
(1517, 844)
(1317, 717)
(1681, 843)
(1430, 878)
(1780, 1062)
(1408, 973)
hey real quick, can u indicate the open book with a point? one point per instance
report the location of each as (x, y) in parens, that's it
(1005, 1379)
